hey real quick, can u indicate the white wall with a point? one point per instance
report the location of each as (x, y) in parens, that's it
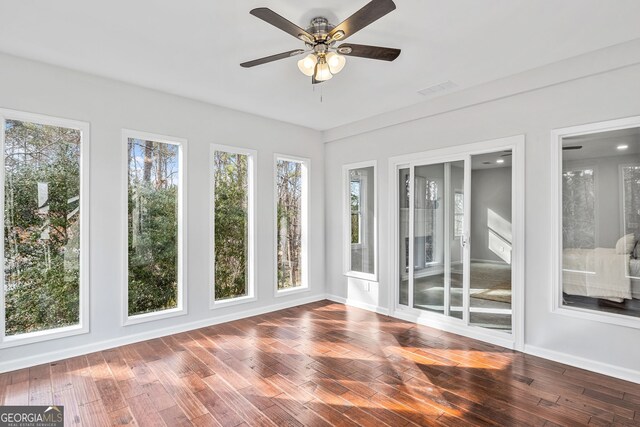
(594, 98)
(110, 106)
(490, 189)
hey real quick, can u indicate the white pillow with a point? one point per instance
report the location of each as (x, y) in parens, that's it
(625, 244)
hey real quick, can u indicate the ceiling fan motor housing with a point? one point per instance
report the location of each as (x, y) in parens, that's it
(320, 27)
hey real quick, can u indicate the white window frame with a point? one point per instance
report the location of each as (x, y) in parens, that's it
(306, 173)
(181, 307)
(252, 159)
(83, 319)
(346, 221)
(557, 306)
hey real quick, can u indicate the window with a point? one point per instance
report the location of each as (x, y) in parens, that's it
(630, 177)
(155, 182)
(458, 213)
(579, 208)
(45, 231)
(291, 223)
(356, 212)
(598, 255)
(360, 220)
(233, 224)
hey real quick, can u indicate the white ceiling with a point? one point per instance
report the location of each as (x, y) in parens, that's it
(489, 160)
(193, 48)
(603, 144)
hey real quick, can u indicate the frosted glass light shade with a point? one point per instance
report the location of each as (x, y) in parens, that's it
(336, 62)
(323, 73)
(307, 65)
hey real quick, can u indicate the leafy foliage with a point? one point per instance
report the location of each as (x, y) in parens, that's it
(289, 188)
(42, 227)
(153, 226)
(231, 221)
(355, 189)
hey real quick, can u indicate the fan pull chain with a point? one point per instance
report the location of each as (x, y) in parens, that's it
(313, 88)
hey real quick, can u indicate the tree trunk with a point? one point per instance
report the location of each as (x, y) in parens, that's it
(148, 160)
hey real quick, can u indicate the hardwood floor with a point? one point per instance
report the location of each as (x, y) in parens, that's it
(321, 364)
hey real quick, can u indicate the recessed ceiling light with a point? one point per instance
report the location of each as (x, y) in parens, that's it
(500, 161)
(622, 147)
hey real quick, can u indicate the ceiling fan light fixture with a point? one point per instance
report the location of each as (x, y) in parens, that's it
(307, 65)
(323, 73)
(336, 62)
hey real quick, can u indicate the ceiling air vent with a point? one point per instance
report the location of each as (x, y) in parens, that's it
(438, 89)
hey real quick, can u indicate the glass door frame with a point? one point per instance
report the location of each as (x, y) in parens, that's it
(514, 339)
(446, 162)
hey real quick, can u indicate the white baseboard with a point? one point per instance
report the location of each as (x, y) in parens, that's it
(358, 304)
(586, 364)
(25, 362)
(449, 325)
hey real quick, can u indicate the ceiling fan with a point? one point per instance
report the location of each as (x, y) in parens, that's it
(325, 59)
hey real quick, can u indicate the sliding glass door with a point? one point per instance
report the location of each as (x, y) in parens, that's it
(490, 243)
(437, 218)
(431, 231)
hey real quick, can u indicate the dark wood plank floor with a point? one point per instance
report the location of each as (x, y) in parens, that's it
(321, 364)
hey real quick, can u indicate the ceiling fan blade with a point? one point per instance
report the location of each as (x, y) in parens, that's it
(280, 22)
(370, 13)
(371, 52)
(572, 147)
(272, 58)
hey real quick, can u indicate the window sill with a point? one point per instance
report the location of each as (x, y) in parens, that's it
(363, 276)
(291, 291)
(40, 336)
(232, 301)
(602, 317)
(151, 317)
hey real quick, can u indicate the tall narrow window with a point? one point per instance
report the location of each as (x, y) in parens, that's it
(458, 213)
(360, 220)
(355, 199)
(154, 231)
(233, 230)
(579, 208)
(291, 220)
(631, 198)
(44, 227)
